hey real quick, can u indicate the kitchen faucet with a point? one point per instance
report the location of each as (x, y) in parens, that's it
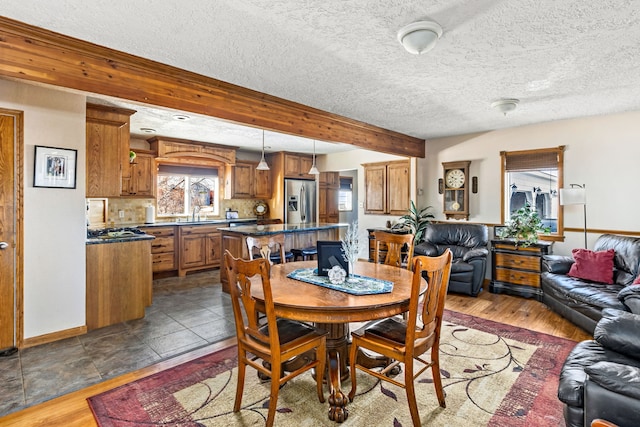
(196, 209)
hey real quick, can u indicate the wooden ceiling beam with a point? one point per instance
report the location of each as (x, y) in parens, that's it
(38, 55)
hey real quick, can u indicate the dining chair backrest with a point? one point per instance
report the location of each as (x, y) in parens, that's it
(395, 243)
(266, 247)
(245, 313)
(430, 308)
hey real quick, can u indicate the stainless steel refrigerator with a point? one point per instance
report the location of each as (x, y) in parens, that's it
(300, 201)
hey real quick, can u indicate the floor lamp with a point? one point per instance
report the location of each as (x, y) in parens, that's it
(576, 195)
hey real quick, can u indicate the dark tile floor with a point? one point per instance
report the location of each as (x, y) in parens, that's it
(186, 313)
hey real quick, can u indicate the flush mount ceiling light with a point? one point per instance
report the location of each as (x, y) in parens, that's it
(181, 117)
(419, 37)
(314, 170)
(505, 105)
(147, 130)
(262, 166)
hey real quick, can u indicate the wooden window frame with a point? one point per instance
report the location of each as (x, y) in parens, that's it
(558, 236)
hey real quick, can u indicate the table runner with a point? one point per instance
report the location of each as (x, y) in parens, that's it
(354, 284)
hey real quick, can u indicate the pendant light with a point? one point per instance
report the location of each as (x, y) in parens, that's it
(314, 170)
(262, 166)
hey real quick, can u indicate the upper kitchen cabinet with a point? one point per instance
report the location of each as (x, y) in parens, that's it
(297, 166)
(244, 181)
(107, 149)
(184, 151)
(138, 175)
(387, 187)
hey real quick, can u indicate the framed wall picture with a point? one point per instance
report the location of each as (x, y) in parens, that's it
(54, 167)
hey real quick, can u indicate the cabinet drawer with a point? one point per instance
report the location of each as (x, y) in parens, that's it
(160, 231)
(163, 244)
(518, 277)
(163, 262)
(199, 229)
(518, 261)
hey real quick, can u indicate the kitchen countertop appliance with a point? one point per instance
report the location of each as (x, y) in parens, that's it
(300, 201)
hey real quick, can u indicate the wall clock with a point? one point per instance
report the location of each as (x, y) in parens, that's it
(456, 189)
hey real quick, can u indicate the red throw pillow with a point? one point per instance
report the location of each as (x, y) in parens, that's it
(593, 266)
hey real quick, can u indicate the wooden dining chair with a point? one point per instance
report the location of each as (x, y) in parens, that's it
(404, 341)
(275, 342)
(270, 247)
(395, 243)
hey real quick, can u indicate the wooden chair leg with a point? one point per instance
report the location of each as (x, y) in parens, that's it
(273, 397)
(242, 368)
(437, 379)
(411, 393)
(321, 356)
(352, 368)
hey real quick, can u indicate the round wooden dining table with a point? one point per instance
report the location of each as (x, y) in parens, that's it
(332, 310)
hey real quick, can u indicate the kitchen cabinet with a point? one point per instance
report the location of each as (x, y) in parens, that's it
(179, 149)
(516, 269)
(138, 178)
(107, 140)
(163, 248)
(328, 195)
(297, 166)
(199, 247)
(244, 181)
(119, 282)
(387, 187)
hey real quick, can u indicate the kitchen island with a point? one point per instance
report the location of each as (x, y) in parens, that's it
(296, 236)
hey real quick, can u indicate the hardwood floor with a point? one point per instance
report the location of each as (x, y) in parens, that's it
(72, 409)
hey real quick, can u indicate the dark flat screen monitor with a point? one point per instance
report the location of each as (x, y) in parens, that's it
(330, 253)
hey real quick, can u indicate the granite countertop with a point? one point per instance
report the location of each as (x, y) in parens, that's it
(205, 222)
(103, 240)
(263, 230)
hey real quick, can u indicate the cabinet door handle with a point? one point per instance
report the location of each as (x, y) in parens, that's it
(4, 245)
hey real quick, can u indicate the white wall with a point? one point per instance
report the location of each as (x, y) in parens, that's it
(601, 152)
(354, 159)
(54, 220)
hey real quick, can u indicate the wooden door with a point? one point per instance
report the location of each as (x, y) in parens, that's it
(8, 126)
(192, 251)
(375, 180)
(262, 184)
(213, 249)
(242, 180)
(398, 187)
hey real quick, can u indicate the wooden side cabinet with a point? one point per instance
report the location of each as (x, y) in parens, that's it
(516, 269)
(387, 187)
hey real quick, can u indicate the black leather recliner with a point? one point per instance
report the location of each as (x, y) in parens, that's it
(601, 377)
(468, 244)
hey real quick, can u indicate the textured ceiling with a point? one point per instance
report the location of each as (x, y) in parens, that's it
(562, 59)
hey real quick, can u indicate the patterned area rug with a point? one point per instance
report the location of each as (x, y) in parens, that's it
(493, 374)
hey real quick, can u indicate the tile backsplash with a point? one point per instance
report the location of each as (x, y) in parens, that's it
(134, 211)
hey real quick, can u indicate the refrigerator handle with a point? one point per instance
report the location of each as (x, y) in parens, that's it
(303, 204)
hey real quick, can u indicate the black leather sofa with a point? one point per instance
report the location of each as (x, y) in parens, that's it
(582, 301)
(601, 377)
(468, 244)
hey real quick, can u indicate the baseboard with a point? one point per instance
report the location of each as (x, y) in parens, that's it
(54, 336)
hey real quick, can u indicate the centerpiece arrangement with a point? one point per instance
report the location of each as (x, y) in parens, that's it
(524, 225)
(351, 245)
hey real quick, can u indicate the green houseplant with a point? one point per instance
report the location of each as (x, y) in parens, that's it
(524, 226)
(415, 221)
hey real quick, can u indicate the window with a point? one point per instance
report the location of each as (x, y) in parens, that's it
(345, 198)
(183, 190)
(534, 177)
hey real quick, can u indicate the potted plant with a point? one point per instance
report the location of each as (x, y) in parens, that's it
(415, 221)
(524, 226)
